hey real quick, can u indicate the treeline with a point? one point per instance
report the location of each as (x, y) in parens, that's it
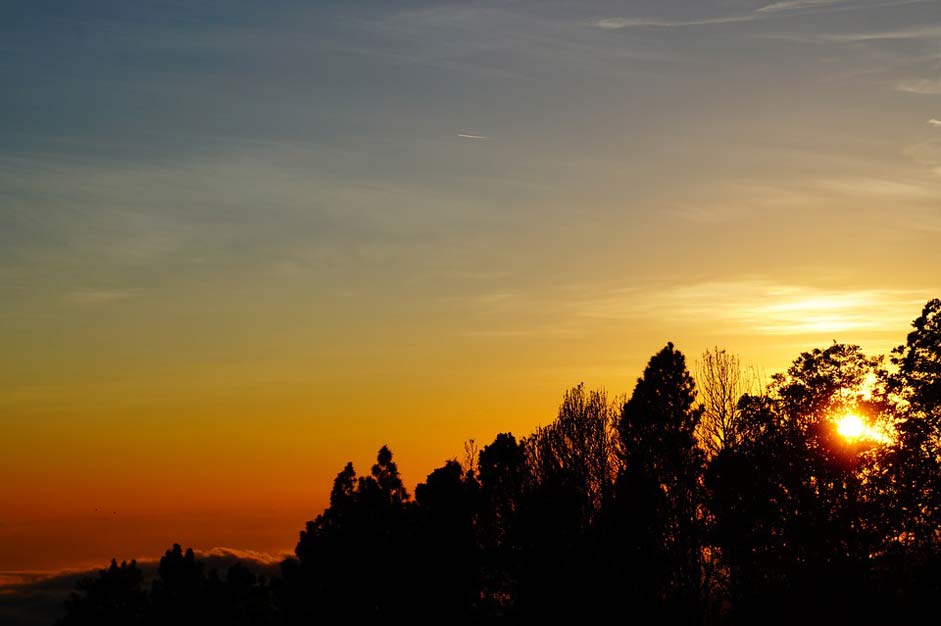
(730, 503)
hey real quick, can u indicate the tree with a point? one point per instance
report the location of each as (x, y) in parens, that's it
(919, 363)
(722, 381)
(351, 561)
(242, 598)
(446, 555)
(570, 469)
(578, 449)
(502, 473)
(796, 510)
(659, 487)
(384, 484)
(916, 458)
(115, 598)
(179, 592)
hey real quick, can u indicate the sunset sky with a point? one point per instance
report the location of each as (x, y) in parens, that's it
(242, 243)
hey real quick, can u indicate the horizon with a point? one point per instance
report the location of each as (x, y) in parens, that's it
(240, 247)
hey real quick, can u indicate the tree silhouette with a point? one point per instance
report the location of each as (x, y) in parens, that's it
(722, 381)
(658, 490)
(916, 462)
(502, 474)
(578, 450)
(241, 599)
(115, 598)
(179, 591)
(446, 555)
(911, 470)
(794, 515)
(347, 558)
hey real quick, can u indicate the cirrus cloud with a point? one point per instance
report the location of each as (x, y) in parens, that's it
(919, 86)
(768, 10)
(764, 307)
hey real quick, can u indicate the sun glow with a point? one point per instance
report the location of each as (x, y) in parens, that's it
(853, 428)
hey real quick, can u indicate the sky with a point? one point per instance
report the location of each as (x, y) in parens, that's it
(244, 242)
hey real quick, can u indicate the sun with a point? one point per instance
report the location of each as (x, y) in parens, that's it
(851, 427)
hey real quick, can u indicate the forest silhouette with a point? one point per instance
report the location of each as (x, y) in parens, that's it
(705, 497)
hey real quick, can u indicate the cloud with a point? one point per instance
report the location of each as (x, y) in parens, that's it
(755, 306)
(921, 86)
(228, 556)
(915, 32)
(872, 187)
(467, 136)
(792, 5)
(934, 122)
(617, 23)
(927, 151)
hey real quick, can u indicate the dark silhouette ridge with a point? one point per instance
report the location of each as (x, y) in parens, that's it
(733, 505)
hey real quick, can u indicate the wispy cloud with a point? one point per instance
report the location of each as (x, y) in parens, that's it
(777, 9)
(764, 307)
(914, 32)
(792, 5)
(861, 185)
(926, 152)
(922, 86)
(934, 122)
(617, 23)
(469, 136)
(227, 556)
(768, 10)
